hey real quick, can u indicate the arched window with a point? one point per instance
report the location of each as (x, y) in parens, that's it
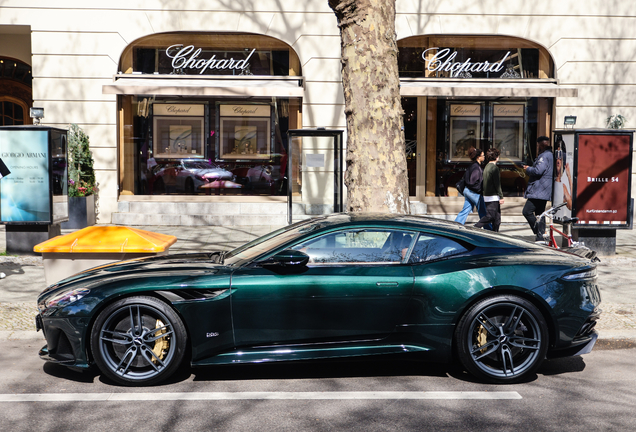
(12, 113)
(15, 92)
(491, 57)
(185, 53)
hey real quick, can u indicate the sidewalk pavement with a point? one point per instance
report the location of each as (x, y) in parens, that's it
(25, 276)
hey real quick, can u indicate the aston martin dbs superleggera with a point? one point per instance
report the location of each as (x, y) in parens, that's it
(336, 286)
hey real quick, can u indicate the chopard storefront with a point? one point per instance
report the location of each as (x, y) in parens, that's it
(203, 115)
(473, 91)
(203, 119)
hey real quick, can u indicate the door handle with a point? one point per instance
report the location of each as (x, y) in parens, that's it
(386, 284)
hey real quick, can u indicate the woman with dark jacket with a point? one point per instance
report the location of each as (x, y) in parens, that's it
(473, 179)
(539, 190)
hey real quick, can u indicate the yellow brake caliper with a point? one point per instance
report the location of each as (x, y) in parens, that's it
(482, 337)
(161, 344)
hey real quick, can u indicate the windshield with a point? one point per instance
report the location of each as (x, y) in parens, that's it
(270, 241)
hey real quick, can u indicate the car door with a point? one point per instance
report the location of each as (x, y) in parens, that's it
(356, 286)
(441, 286)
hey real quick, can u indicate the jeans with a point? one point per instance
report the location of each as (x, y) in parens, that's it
(472, 199)
(531, 210)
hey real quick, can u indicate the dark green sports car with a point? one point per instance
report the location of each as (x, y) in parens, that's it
(336, 286)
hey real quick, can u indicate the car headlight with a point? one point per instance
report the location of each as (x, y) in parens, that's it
(581, 274)
(66, 298)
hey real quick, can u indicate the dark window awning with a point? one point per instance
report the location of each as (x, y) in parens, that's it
(411, 87)
(188, 85)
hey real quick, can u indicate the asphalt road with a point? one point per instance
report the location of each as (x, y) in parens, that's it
(595, 392)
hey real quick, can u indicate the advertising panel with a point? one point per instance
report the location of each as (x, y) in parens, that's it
(563, 178)
(592, 176)
(25, 194)
(603, 179)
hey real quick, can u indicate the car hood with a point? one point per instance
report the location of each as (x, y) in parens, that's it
(191, 264)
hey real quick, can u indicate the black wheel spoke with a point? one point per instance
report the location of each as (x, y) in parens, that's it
(149, 359)
(116, 337)
(158, 336)
(492, 347)
(487, 324)
(508, 324)
(521, 342)
(507, 361)
(132, 352)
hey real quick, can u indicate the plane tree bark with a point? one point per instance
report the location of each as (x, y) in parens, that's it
(376, 175)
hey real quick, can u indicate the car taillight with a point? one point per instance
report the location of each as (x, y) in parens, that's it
(587, 273)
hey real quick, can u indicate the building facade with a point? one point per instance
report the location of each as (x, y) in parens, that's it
(188, 105)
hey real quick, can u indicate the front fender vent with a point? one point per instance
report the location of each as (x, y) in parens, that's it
(181, 295)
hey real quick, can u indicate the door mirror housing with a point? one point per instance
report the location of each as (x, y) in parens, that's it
(288, 258)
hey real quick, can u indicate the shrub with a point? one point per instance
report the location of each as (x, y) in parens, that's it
(81, 175)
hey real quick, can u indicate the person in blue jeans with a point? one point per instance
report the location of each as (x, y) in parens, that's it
(473, 178)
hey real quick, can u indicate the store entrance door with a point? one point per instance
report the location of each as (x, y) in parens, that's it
(314, 173)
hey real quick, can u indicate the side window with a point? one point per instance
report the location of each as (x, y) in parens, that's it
(358, 246)
(430, 247)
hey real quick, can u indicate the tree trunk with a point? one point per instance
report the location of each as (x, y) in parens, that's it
(376, 175)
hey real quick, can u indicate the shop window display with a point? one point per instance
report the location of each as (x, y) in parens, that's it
(210, 147)
(510, 126)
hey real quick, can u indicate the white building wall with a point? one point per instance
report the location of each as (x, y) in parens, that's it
(76, 47)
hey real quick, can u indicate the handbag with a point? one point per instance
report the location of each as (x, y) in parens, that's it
(460, 186)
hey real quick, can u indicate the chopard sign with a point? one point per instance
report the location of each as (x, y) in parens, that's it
(442, 61)
(186, 57)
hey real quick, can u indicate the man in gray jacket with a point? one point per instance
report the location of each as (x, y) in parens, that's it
(539, 190)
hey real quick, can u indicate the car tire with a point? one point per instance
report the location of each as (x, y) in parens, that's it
(138, 341)
(502, 339)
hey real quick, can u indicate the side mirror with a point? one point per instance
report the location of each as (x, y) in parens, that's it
(288, 258)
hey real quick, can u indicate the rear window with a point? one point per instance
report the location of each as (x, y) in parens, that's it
(430, 247)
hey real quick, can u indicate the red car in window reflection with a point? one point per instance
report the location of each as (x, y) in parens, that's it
(189, 176)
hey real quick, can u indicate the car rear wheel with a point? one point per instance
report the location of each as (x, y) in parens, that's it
(502, 339)
(138, 341)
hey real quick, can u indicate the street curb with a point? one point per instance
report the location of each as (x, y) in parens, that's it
(616, 334)
(9, 335)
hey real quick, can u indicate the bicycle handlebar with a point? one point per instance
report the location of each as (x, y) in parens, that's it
(552, 211)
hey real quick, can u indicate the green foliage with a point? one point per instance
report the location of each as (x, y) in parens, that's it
(81, 175)
(615, 121)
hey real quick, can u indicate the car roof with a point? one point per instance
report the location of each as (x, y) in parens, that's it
(476, 236)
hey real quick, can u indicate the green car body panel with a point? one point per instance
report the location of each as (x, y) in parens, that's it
(253, 312)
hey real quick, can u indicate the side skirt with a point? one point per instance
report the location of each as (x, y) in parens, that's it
(287, 353)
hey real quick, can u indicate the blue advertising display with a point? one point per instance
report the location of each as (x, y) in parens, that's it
(25, 194)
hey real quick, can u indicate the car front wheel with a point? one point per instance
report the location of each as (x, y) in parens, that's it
(502, 339)
(138, 341)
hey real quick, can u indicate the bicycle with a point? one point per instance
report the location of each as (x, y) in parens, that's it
(550, 240)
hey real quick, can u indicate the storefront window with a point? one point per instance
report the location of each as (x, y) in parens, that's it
(210, 147)
(209, 129)
(491, 112)
(510, 127)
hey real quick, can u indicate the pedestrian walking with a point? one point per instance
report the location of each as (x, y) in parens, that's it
(493, 196)
(473, 178)
(539, 190)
